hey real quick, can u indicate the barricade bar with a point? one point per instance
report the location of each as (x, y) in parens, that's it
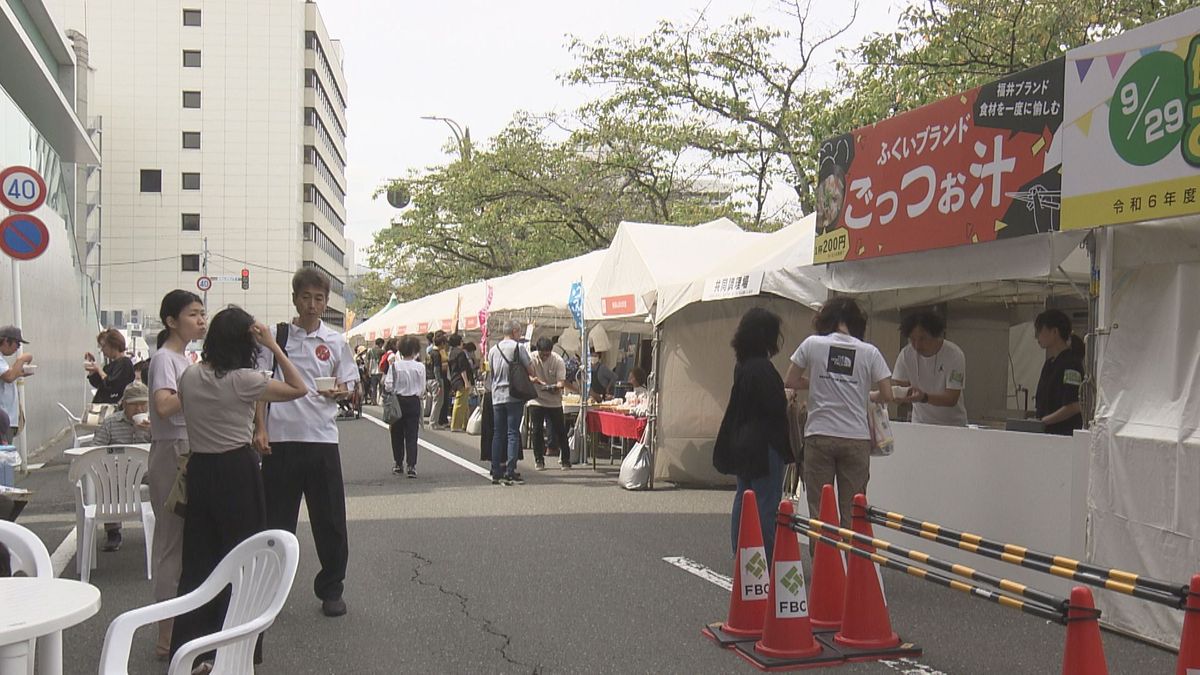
(1058, 571)
(1026, 606)
(1040, 597)
(968, 542)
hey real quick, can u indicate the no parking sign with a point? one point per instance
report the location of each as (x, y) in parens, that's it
(23, 237)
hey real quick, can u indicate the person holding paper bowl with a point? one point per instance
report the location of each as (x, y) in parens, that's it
(934, 371)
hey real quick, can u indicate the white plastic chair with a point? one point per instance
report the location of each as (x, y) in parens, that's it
(260, 570)
(30, 557)
(115, 475)
(75, 423)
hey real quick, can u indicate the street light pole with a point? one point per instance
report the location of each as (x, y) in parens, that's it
(461, 136)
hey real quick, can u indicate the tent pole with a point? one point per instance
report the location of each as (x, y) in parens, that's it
(652, 429)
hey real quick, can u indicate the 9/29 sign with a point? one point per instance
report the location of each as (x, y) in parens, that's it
(22, 189)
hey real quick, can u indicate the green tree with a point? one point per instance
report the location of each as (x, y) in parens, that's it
(726, 90)
(527, 198)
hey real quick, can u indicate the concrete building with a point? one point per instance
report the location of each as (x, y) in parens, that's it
(224, 128)
(44, 125)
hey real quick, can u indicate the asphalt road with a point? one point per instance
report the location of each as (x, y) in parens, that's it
(564, 574)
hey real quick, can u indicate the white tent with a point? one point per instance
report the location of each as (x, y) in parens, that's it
(781, 259)
(645, 258)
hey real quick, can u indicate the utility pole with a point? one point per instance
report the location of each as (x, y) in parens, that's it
(204, 267)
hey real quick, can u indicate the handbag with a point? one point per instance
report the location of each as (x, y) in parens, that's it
(883, 442)
(177, 498)
(391, 409)
(95, 413)
(475, 422)
(520, 387)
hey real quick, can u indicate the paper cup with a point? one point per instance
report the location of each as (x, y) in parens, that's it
(326, 383)
(141, 418)
(899, 392)
(29, 369)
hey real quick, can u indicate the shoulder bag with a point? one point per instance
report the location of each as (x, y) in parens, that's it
(520, 386)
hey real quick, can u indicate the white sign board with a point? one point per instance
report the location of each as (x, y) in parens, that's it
(735, 286)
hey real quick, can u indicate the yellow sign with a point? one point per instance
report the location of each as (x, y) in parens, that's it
(832, 246)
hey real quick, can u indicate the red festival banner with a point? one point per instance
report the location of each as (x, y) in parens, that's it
(979, 166)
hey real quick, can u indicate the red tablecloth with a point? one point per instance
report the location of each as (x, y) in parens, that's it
(616, 424)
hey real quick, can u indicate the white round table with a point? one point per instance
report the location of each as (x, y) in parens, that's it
(34, 607)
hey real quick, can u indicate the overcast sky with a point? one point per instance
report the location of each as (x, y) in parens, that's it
(480, 61)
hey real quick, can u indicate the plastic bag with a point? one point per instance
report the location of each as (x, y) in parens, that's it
(475, 422)
(636, 468)
(883, 442)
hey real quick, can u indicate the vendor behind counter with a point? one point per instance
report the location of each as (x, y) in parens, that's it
(1057, 400)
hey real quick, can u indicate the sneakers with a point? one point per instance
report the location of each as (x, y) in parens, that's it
(540, 466)
(565, 467)
(335, 607)
(113, 542)
(412, 472)
(506, 481)
(397, 470)
(516, 478)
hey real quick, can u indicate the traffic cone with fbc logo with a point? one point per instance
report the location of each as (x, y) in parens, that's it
(787, 639)
(1189, 644)
(1084, 655)
(866, 632)
(748, 599)
(829, 574)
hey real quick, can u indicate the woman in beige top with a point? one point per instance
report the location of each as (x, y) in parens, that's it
(224, 487)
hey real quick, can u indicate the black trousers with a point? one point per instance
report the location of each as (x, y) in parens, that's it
(404, 431)
(538, 416)
(312, 471)
(447, 401)
(225, 507)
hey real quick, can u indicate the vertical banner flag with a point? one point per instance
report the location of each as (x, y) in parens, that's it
(575, 303)
(979, 166)
(1132, 132)
(483, 320)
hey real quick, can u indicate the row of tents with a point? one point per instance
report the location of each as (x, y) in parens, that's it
(686, 288)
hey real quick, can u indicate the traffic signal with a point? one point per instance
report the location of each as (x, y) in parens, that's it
(245, 279)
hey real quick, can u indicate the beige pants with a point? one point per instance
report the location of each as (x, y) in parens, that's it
(827, 458)
(167, 556)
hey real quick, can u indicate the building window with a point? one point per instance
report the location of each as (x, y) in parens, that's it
(151, 180)
(191, 58)
(191, 181)
(191, 99)
(191, 140)
(189, 262)
(191, 17)
(190, 222)
(118, 319)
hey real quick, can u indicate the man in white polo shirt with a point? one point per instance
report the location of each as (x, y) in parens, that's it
(934, 368)
(299, 443)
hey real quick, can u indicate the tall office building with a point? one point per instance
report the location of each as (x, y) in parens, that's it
(224, 132)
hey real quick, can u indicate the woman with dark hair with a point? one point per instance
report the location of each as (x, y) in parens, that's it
(1057, 398)
(225, 503)
(407, 383)
(182, 314)
(839, 370)
(111, 380)
(752, 442)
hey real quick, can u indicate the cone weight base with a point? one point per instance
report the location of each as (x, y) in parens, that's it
(827, 657)
(724, 639)
(854, 655)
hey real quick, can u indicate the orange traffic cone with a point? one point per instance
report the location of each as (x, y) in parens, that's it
(1189, 643)
(829, 574)
(866, 631)
(748, 601)
(1084, 655)
(787, 638)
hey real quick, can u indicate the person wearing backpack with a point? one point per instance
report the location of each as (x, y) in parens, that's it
(509, 364)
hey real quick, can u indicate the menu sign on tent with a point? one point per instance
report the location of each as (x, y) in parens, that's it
(979, 166)
(1132, 128)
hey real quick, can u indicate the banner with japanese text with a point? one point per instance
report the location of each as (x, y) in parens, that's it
(979, 166)
(1132, 130)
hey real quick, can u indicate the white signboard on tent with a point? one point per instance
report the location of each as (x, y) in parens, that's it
(733, 286)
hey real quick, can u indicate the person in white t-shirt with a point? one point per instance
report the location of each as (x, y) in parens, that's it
(934, 369)
(406, 378)
(839, 370)
(299, 439)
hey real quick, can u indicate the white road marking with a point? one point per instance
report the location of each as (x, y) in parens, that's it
(444, 454)
(910, 667)
(63, 554)
(692, 567)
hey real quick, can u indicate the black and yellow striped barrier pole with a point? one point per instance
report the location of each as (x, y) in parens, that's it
(1026, 606)
(1127, 583)
(1050, 601)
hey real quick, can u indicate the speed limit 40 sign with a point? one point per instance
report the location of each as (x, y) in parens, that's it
(22, 189)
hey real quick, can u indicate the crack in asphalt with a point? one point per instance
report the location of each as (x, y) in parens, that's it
(487, 624)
